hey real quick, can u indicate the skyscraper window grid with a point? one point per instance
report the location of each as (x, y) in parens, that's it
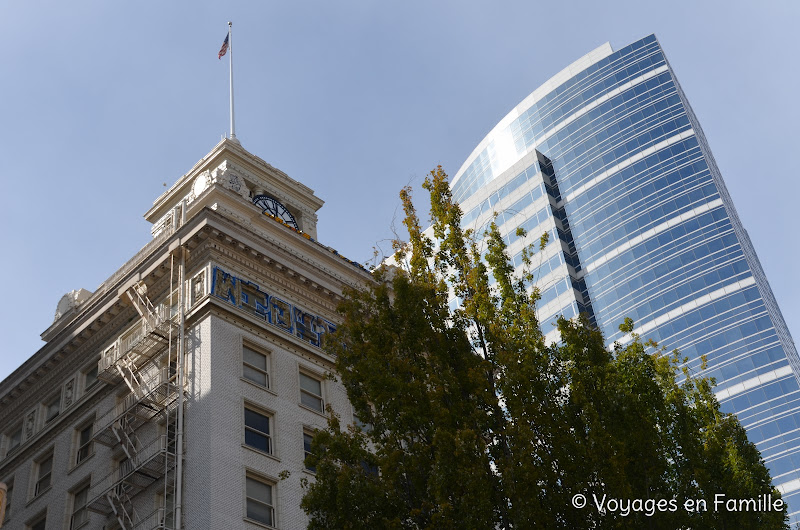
(644, 229)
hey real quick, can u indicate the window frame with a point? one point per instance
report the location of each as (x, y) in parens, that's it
(170, 305)
(169, 369)
(40, 519)
(80, 488)
(264, 481)
(246, 365)
(10, 435)
(43, 482)
(305, 392)
(269, 435)
(92, 367)
(88, 446)
(122, 467)
(308, 436)
(48, 407)
(359, 423)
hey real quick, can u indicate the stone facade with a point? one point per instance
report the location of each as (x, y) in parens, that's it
(90, 426)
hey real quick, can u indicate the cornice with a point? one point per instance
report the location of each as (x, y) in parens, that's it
(286, 270)
(61, 365)
(281, 339)
(311, 254)
(103, 313)
(274, 277)
(230, 157)
(71, 358)
(307, 207)
(312, 275)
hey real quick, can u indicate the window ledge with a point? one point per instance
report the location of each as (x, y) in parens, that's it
(37, 497)
(257, 523)
(315, 411)
(262, 453)
(79, 464)
(260, 387)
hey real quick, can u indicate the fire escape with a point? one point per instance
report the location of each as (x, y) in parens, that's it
(141, 428)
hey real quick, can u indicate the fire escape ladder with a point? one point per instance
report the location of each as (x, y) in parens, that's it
(145, 358)
(138, 297)
(122, 506)
(140, 345)
(126, 436)
(130, 375)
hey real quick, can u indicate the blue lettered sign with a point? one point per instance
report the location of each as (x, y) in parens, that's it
(248, 297)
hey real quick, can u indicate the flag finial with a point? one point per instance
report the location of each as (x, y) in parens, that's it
(227, 46)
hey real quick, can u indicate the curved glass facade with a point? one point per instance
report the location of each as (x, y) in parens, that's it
(609, 159)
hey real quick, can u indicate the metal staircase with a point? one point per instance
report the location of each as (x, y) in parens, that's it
(141, 358)
(122, 506)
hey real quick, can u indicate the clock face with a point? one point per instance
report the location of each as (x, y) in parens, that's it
(271, 206)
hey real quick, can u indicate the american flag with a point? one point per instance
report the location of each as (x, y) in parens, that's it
(224, 49)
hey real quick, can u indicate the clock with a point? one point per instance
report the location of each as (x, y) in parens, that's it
(270, 205)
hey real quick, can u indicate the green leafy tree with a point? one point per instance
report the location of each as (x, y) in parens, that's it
(474, 421)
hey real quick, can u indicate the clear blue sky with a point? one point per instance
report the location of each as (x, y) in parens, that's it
(103, 102)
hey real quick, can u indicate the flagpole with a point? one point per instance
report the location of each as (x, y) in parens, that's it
(230, 59)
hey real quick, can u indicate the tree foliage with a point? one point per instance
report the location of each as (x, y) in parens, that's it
(474, 421)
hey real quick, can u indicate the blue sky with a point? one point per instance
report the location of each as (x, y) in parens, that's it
(101, 103)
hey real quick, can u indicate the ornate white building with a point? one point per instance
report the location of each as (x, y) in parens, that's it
(179, 392)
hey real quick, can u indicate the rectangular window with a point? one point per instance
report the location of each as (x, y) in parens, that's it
(84, 444)
(366, 427)
(259, 501)
(256, 431)
(124, 467)
(170, 305)
(307, 438)
(14, 439)
(109, 356)
(255, 367)
(43, 474)
(80, 514)
(173, 308)
(39, 524)
(90, 378)
(311, 392)
(52, 408)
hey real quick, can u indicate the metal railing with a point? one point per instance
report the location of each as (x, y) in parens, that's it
(133, 338)
(160, 446)
(160, 397)
(158, 520)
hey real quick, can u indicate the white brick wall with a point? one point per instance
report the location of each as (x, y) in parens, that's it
(216, 460)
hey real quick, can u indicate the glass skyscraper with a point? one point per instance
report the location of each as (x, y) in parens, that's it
(608, 158)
